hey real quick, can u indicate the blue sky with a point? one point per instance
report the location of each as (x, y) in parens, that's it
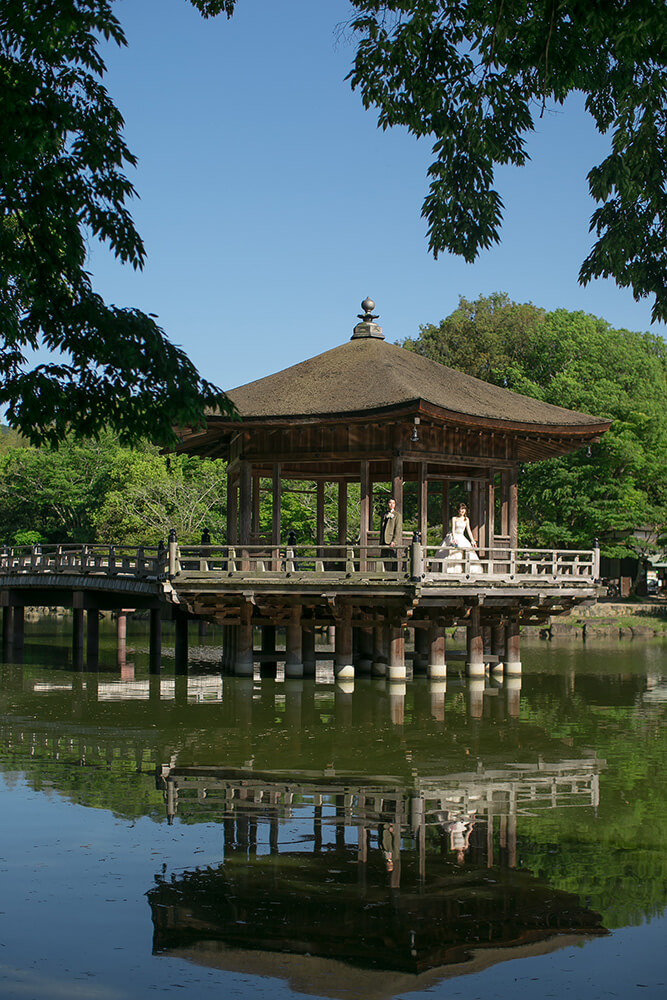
(271, 204)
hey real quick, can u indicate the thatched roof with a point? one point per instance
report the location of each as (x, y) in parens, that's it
(370, 375)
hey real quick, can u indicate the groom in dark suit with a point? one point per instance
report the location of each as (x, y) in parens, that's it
(390, 533)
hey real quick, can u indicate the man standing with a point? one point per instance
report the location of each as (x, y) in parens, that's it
(390, 531)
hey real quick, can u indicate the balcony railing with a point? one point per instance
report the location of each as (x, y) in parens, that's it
(430, 564)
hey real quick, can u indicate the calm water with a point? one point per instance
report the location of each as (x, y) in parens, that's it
(219, 837)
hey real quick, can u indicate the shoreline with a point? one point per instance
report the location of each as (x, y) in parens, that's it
(607, 619)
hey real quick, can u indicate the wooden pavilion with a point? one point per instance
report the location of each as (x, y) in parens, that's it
(370, 412)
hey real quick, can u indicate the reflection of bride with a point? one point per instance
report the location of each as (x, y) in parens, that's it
(460, 537)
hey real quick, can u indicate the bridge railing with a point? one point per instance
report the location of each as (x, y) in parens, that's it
(102, 560)
(503, 562)
(414, 561)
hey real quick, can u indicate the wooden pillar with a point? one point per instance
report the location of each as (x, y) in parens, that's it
(475, 645)
(293, 649)
(254, 524)
(342, 512)
(319, 527)
(364, 504)
(232, 507)
(473, 512)
(245, 502)
(308, 651)
(397, 489)
(397, 671)
(343, 663)
(243, 663)
(422, 502)
(276, 503)
(513, 498)
(498, 647)
(155, 645)
(121, 638)
(380, 653)
(512, 647)
(93, 639)
(181, 644)
(486, 643)
(437, 663)
(491, 512)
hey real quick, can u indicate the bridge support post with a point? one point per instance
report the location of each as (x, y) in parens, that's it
(486, 644)
(397, 671)
(293, 648)
(380, 651)
(77, 638)
(244, 661)
(498, 647)
(155, 645)
(344, 666)
(512, 648)
(308, 651)
(437, 652)
(475, 645)
(92, 639)
(181, 644)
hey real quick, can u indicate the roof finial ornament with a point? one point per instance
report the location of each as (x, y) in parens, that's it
(368, 327)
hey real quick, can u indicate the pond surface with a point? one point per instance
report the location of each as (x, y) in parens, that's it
(217, 836)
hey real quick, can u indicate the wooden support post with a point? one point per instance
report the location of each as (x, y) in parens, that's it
(397, 490)
(475, 645)
(422, 503)
(364, 505)
(437, 663)
(293, 648)
(491, 512)
(397, 671)
(473, 512)
(514, 507)
(343, 664)
(77, 638)
(92, 639)
(276, 503)
(181, 644)
(121, 639)
(254, 523)
(342, 512)
(155, 644)
(498, 647)
(245, 502)
(486, 644)
(512, 648)
(505, 503)
(308, 651)
(244, 660)
(319, 527)
(232, 508)
(380, 652)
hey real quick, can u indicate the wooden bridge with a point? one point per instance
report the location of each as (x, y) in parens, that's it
(368, 594)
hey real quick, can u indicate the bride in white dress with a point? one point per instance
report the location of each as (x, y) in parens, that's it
(460, 537)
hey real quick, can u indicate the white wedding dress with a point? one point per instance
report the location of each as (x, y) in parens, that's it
(453, 560)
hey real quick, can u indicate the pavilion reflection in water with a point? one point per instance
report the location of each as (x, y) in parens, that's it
(323, 873)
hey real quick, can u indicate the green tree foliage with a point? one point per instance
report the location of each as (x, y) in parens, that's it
(62, 181)
(578, 361)
(101, 491)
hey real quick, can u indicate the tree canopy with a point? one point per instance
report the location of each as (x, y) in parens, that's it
(579, 361)
(62, 181)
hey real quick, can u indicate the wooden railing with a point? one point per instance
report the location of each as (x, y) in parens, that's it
(142, 563)
(301, 562)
